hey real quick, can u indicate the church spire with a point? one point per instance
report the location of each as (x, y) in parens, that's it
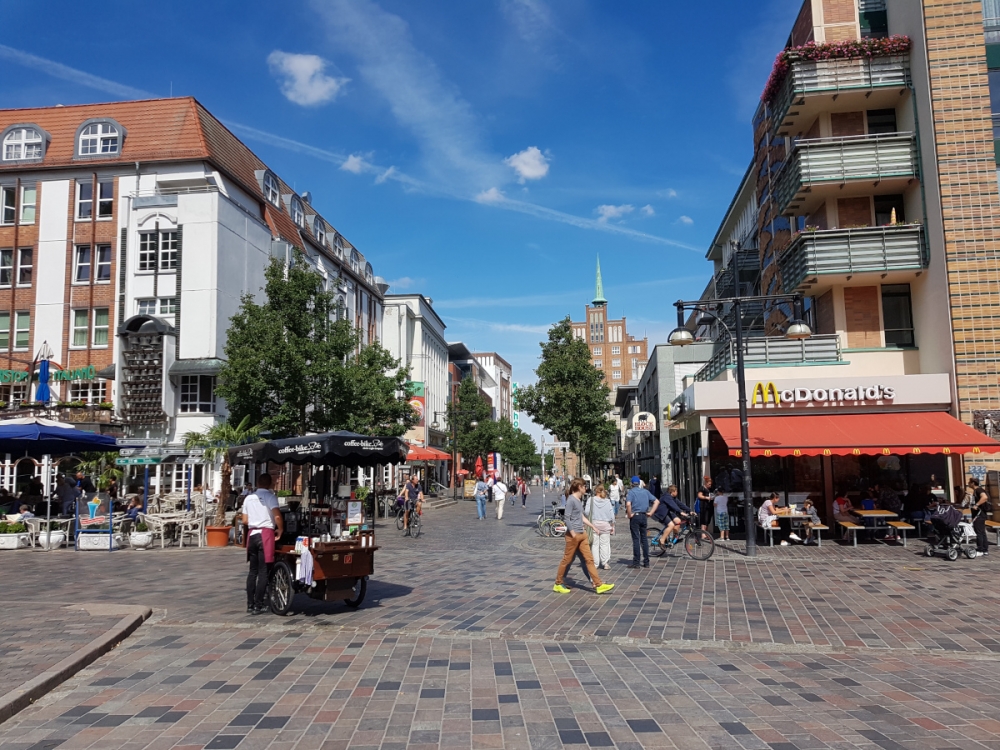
(599, 300)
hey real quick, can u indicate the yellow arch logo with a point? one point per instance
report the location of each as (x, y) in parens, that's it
(765, 391)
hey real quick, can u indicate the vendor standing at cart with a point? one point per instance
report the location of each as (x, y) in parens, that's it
(265, 524)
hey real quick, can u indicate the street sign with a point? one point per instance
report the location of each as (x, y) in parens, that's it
(196, 452)
(139, 441)
(137, 461)
(557, 445)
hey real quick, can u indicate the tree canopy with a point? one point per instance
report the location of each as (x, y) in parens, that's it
(570, 398)
(515, 447)
(293, 367)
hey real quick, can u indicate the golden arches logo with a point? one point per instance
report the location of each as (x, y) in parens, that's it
(916, 451)
(856, 452)
(796, 452)
(827, 452)
(768, 452)
(763, 391)
(886, 452)
(946, 451)
(977, 449)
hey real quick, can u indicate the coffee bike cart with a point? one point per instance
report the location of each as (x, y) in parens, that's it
(340, 538)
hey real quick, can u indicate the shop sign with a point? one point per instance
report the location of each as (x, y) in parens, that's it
(764, 393)
(644, 422)
(417, 401)
(78, 373)
(13, 376)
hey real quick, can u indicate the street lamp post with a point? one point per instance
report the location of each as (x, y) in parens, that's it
(435, 425)
(681, 336)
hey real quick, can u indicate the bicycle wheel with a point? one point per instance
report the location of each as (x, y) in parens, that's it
(699, 544)
(414, 525)
(400, 519)
(558, 527)
(655, 548)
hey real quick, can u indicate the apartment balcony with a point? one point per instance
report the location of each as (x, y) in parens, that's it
(823, 168)
(816, 258)
(775, 351)
(812, 87)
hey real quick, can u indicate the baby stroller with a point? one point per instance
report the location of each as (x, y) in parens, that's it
(948, 537)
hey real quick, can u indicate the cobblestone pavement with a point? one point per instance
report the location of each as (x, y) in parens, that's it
(461, 643)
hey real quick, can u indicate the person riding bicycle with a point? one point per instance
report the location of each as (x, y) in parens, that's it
(414, 501)
(669, 510)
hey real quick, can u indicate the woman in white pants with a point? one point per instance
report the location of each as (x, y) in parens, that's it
(602, 515)
(499, 496)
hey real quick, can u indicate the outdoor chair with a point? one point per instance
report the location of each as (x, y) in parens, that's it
(156, 527)
(34, 526)
(190, 525)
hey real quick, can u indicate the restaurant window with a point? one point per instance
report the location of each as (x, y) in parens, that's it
(8, 207)
(4, 331)
(198, 394)
(22, 330)
(100, 335)
(29, 202)
(25, 258)
(6, 266)
(897, 315)
(87, 391)
(81, 327)
(13, 393)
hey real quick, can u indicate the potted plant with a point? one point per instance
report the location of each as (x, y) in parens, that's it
(141, 537)
(216, 442)
(51, 535)
(13, 535)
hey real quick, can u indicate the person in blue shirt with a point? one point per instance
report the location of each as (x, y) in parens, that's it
(637, 504)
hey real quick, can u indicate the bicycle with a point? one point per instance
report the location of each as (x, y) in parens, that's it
(553, 525)
(698, 543)
(414, 519)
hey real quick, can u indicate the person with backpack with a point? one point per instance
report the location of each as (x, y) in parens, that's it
(981, 508)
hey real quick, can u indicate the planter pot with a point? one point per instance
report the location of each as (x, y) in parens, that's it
(14, 541)
(51, 539)
(98, 542)
(140, 539)
(218, 536)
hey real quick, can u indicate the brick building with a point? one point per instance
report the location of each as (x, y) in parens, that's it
(873, 194)
(128, 233)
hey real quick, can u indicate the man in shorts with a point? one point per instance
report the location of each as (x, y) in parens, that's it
(669, 510)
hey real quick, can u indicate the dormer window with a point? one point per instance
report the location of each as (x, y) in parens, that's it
(100, 139)
(298, 214)
(23, 143)
(338, 246)
(271, 192)
(319, 230)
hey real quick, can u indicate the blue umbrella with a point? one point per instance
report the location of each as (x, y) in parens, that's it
(39, 437)
(42, 391)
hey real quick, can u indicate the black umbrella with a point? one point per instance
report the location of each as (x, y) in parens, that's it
(327, 449)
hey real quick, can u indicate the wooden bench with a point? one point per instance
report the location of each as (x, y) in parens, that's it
(902, 526)
(995, 525)
(819, 528)
(852, 528)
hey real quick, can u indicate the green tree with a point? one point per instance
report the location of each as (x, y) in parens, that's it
(519, 451)
(216, 442)
(467, 407)
(570, 397)
(293, 368)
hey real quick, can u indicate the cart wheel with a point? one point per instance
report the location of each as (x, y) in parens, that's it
(952, 553)
(929, 550)
(970, 552)
(399, 519)
(360, 589)
(282, 588)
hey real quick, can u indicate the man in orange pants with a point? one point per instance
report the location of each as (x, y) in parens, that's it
(576, 541)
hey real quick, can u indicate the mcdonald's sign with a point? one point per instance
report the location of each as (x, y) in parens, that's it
(764, 391)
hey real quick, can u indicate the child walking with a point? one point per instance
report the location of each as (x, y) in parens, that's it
(722, 514)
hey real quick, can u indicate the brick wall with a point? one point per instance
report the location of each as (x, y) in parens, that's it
(864, 327)
(847, 123)
(840, 20)
(854, 212)
(969, 195)
(13, 298)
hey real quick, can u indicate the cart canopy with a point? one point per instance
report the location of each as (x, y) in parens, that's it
(327, 449)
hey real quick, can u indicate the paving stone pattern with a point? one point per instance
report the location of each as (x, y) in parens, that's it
(462, 644)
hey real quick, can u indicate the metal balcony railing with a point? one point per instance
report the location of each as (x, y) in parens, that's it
(833, 76)
(773, 350)
(849, 251)
(838, 160)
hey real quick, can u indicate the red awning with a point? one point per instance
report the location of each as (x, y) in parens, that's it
(417, 453)
(855, 435)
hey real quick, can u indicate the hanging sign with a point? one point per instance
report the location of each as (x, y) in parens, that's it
(644, 422)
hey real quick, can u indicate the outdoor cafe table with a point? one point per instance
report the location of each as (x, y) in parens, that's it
(880, 519)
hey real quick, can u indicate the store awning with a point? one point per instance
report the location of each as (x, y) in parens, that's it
(416, 453)
(856, 435)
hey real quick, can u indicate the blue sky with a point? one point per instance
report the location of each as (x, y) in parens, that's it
(482, 153)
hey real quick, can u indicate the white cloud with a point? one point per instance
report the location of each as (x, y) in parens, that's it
(686, 220)
(390, 172)
(668, 193)
(531, 18)
(491, 196)
(648, 210)
(302, 78)
(66, 73)
(404, 282)
(605, 213)
(530, 164)
(354, 164)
